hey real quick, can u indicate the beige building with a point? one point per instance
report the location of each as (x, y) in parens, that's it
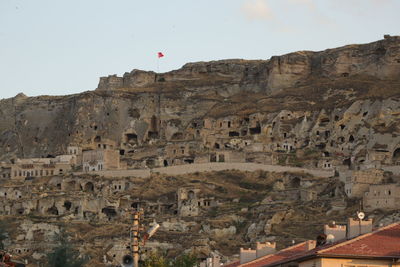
(76, 152)
(358, 183)
(100, 159)
(385, 197)
(191, 203)
(5, 171)
(39, 167)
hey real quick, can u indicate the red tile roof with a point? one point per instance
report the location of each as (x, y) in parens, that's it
(383, 243)
(232, 264)
(279, 256)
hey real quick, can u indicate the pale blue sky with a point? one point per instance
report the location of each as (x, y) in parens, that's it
(58, 47)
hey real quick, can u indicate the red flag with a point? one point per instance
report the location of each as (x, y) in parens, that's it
(160, 54)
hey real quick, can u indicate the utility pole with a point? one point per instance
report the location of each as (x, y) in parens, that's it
(132, 259)
(135, 237)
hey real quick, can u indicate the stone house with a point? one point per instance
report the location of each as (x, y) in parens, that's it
(325, 164)
(190, 202)
(40, 167)
(179, 153)
(358, 183)
(77, 153)
(100, 159)
(384, 196)
(5, 172)
(187, 202)
(227, 156)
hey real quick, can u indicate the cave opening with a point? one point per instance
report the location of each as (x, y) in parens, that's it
(131, 138)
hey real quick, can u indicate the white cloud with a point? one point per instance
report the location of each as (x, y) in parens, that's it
(257, 10)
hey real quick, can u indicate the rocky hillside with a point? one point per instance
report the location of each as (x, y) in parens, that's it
(168, 103)
(334, 111)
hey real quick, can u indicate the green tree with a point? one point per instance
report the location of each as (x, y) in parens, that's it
(3, 233)
(185, 260)
(65, 255)
(157, 260)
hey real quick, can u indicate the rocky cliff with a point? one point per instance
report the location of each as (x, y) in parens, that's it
(154, 102)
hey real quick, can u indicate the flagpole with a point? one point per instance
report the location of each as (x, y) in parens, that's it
(158, 64)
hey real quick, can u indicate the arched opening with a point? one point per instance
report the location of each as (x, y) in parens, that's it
(177, 136)
(351, 139)
(135, 205)
(295, 182)
(89, 187)
(233, 133)
(221, 158)
(109, 212)
(396, 155)
(217, 146)
(131, 138)
(190, 161)
(67, 205)
(53, 210)
(255, 130)
(347, 162)
(165, 163)
(97, 139)
(20, 211)
(213, 157)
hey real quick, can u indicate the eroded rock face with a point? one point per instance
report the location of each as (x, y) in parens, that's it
(379, 59)
(143, 108)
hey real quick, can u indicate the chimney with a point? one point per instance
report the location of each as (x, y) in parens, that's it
(338, 231)
(247, 255)
(358, 227)
(310, 244)
(266, 248)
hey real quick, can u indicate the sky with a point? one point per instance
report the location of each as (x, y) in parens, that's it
(59, 47)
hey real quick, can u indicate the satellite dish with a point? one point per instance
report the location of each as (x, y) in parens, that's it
(361, 215)
(330, 238)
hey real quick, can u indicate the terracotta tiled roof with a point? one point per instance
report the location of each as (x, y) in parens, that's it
(281, 255)
(385, 242)
(232, 264)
